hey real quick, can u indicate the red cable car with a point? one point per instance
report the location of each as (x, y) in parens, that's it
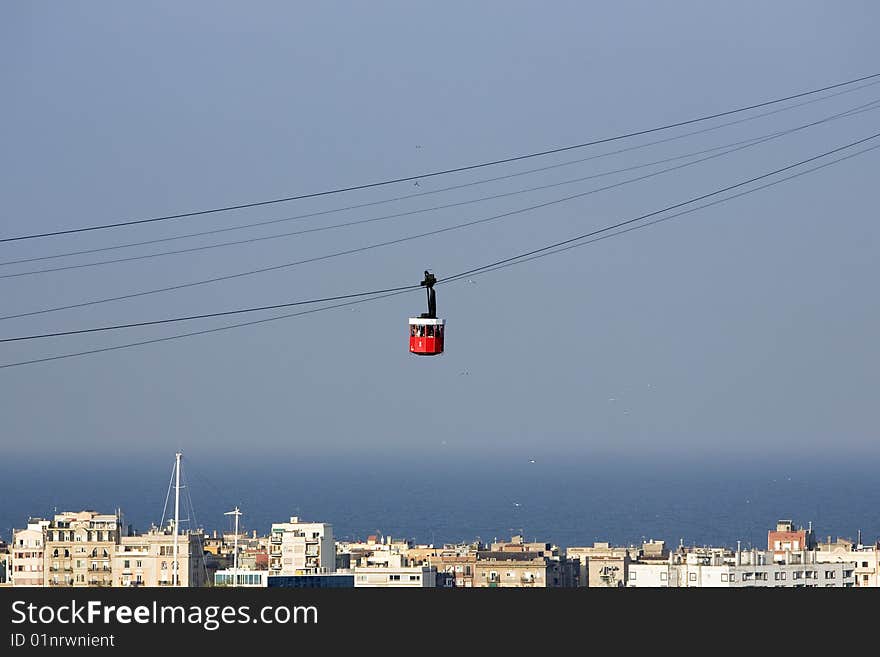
(426, 332)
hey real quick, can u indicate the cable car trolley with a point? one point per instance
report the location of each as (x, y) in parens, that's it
(426, 332)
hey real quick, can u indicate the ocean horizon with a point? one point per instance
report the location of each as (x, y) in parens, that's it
(437, 501)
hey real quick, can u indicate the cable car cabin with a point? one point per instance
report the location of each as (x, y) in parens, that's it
(426, 336)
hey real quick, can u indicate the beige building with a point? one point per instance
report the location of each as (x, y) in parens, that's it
(78, 549)
(518, 544)
(373, 551)
(25, 565)
(602, 565)
(148, 559)
(864, 559)
(515, 570)
(505, 569)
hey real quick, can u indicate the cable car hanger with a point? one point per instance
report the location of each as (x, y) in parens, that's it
(427, 331)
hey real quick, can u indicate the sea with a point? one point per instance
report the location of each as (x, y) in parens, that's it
(436, 501)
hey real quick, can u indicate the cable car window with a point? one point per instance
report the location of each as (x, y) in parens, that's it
(430, 331)
(412, 330)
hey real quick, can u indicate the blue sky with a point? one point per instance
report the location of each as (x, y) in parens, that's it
(744, 331)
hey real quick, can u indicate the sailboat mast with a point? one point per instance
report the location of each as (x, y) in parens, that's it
(178, 455)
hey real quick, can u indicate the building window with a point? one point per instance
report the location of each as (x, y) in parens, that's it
(723, 577)
(394, 578)
(126, 564)
(139, 563)
(413, 578)
(662, 577)
(732, 577)
(747, 576)
(692, 577)
(829, 574)
(632, 574)
(779, 576)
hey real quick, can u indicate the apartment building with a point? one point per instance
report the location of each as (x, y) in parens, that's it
(866, 559)
(301, 548)
(459, 564)
(395, 577)
(505, 569)
(79, 548)
(752, 568)
(602, 565)
(148, 559)
(26, 561)
(372, 552)
(787, 537)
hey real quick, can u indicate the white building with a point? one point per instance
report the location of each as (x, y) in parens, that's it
(393, 570)
(653, 575)
(754, 568)
(26, 554)
(301, 548)
(392, 576)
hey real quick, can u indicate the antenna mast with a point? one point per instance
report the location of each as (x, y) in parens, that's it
(235, 512)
